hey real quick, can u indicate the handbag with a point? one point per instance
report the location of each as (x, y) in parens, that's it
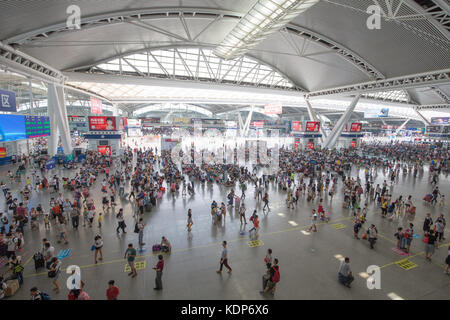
(51, 274)
(93, 248)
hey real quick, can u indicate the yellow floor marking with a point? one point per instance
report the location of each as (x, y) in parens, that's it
(406, 264)
(138, 265)
(255, 243)
(338, 226)
(189, 248)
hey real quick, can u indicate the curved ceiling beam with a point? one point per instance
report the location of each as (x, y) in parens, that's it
(339, 49)
(173, 107)
(189, 13)
(90, 67)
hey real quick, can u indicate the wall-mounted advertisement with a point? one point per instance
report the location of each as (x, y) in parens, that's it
(434, 129)
(273, 108)
(123, 123)
(231, 124)
(441, 120)
(181, 120)
(356, 127)
(102, 123)
(312, 126)
(96, 106)
(257, 124)
(12, 127)
(376, 113)
(149, 122)
(297, 126)
(134, 132)
(134, 123)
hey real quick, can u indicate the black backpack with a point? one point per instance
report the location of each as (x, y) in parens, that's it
(136, 228)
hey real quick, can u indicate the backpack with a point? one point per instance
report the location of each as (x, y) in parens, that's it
(19, 241)
(136, 228)
(276, 275)
(45, 296)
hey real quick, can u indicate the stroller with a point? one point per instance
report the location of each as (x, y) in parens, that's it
(428, 198)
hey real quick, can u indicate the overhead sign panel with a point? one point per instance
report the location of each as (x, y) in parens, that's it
(101, 123)
(376, 113)
(7, 101)
(96, 106)
(273, 108)
(440, 120)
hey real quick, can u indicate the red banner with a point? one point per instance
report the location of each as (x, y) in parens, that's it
(310, 145)
(356, 127)
(102, 123)
(106, 150)
(2, 152)
(296, 126)
(312, 126)
(96, 106)
(257, 124)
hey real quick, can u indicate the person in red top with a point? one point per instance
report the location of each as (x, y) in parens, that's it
(255, 226)
(113, 291)
(159, 268)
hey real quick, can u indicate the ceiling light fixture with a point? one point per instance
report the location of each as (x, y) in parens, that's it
(263, 19)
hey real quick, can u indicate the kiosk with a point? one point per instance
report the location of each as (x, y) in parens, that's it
(306, 134)
(104, 135)
(350, 136)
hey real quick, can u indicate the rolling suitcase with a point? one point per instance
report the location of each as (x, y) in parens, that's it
(148, 207)
(39, 261)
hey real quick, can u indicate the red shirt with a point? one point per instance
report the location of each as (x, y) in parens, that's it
(160, 265)
(112, 293)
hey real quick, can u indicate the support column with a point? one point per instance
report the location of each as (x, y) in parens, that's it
(402, 126)
(54, 133)
(330, 141)
(247, 122)
(425, 120)
(241, 124)
(58, 108)
(313, 117)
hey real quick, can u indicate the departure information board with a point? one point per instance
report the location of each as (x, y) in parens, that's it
(37, 126)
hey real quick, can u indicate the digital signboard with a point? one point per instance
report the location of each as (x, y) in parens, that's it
(12, 127)
(37, 126)
(101, 123)
(356, 127)
(312, 126)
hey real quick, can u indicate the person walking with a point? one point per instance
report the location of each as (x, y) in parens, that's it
(268, 258)
(274, 278)
(427, 223)
(266, 202)
(313, 221)
(189, 220)
(130, 255)
(54, 272)
(159, 268)
(345, 275)
(372, 235)
(356, 227)
(430, 244)
(255, 226)
(121, 222)
(224, 258)
(98, 245)
(112, 292)
(242, 213)
(140, 228)
(75, 216)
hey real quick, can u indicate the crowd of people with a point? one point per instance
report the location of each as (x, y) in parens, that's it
(143, 175)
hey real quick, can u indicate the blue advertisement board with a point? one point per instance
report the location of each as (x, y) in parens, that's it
(7, 101)
(12, 127)
(50, 164)
(441, 120)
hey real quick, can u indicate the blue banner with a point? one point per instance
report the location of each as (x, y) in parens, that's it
(7, 101)
(50, 164)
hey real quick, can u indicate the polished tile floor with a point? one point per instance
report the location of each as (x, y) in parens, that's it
(308, 262)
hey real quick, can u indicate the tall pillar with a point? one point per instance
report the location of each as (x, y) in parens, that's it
(330, 141)
(56, 102)
(313, 117)
(402, 126)
(425, 120)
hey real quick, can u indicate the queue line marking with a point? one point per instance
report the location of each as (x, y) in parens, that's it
(186, 249)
